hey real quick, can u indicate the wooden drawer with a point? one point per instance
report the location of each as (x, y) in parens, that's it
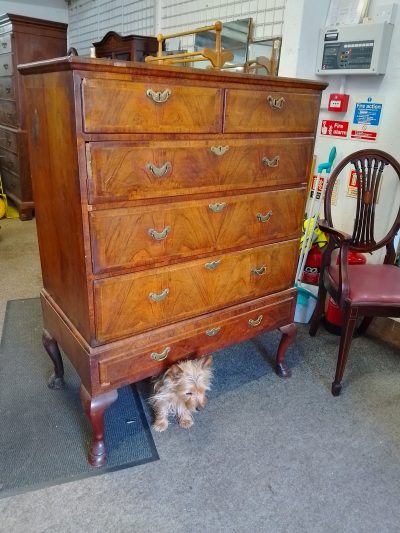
(139, 236)
(131, 303)
(115, 106)
(5, 43)
(206, 335)
(8, 140)
(6, 65)
(7, 87)
(8, 112)
(268, 111)
(9, 160)
(127, 171)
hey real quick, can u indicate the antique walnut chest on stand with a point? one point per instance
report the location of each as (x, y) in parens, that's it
(22, 39)
(169, 208)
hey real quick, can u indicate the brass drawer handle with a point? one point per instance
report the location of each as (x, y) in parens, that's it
(160, 356)
(276, 103)
(4, 45)
(8, 90)
(259, 271)
(159, 172)
(213, 331)
(154, 297)
(271, 163)
(5, 66)
(256, 322)
(264, 218)
(159, 235)
(216, 208)
(213, 264)
(219, 150)
(159, 97)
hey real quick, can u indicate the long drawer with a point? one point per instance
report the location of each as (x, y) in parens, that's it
(113, 106)
(132, 303)
(127, 171)
(140, 236)
(149, 356)
(5, 43)
(7, 90)
(6, 64)
(268, 111)
(9, 160)
(8, 139)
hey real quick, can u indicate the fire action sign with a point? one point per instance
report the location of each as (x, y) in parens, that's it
(367, 117)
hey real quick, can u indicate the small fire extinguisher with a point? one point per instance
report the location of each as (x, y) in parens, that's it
(333, 316)
(312, 266)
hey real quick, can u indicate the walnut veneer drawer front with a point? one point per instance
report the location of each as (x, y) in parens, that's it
(265, 111)
(138, 236)
(212, 334)
(129, 107)
(128, 304)
(127, 171)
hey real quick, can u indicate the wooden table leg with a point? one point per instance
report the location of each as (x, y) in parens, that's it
(288, 336)
(56, 380)
(95, 408)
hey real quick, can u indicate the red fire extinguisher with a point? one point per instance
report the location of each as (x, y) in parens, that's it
(312, 266)
(333, 316)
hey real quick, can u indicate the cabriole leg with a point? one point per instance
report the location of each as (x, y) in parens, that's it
(288, 336)
(95, 408)
(56, 380)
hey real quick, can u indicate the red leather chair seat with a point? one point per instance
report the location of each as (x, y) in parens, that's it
(371, 284)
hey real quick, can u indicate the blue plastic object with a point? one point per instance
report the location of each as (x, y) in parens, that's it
(328, 165)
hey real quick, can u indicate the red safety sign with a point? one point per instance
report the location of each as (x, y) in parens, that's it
(334, 128)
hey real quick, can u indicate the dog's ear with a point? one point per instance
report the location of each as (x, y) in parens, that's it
(206, 361)
(174, 371)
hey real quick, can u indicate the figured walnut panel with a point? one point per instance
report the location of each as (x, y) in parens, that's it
(120, 171)
(124, 107)
(122, 238)
(123, 305)
(253, 111)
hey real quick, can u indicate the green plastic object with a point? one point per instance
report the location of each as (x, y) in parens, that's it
(328, 165)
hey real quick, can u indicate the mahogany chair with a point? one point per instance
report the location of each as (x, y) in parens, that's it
(361, 291)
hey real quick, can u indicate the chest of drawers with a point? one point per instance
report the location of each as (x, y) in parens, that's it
(22, 39)
(169, 210)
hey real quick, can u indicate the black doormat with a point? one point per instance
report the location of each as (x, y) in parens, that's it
(44, 434)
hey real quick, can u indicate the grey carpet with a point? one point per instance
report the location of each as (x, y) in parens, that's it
(266, 455)
(44, 434)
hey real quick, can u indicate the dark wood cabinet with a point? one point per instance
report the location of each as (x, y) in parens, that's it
(170, 207)
(22, 40)
(127, 48)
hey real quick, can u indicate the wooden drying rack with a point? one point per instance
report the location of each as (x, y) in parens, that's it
(217, 57)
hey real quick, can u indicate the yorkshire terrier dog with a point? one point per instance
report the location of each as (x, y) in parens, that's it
(181, 391)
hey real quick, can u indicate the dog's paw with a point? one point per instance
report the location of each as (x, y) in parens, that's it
(186, 423)
(160, 425)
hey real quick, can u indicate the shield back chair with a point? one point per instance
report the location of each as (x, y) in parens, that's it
(360, 291)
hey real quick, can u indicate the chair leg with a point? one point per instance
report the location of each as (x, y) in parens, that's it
(319, 309)
(362, 328)
(349, 324)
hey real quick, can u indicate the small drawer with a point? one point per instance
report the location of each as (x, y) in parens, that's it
(130, 171)
(6, 64)
(140, 236)
(7, 87)
(8, 112)
(209, 334)
(115, 106)
(129, 304)
(8, 140)
(269, 111)
(5, 43)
